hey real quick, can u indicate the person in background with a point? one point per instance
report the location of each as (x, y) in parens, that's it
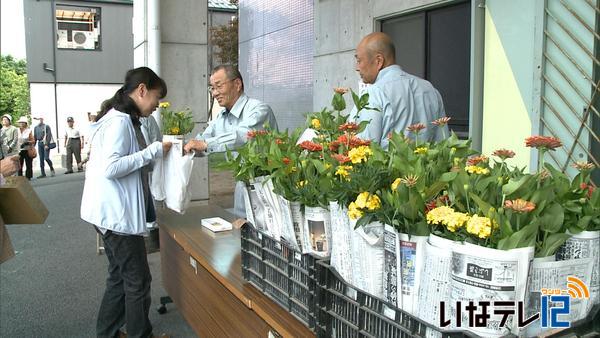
(9, 136)
(43, 137)
(116, 200)
(25, 143)
(74, 144)
(402, 99)
(229, 130)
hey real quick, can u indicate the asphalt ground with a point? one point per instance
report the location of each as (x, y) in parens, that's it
(54, 284)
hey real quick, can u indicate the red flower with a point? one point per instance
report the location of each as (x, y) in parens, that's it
(251, 133)
(350, 126)
(286, 161)
(504, 153)
(430, 205)
(475, 160)
(416, 128)
(311, 146)
(278, 141)
(333, 146)
(590, 189)
(341, 158)
(544, 142)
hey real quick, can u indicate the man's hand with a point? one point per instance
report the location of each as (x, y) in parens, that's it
(196, 145)
(166, 147)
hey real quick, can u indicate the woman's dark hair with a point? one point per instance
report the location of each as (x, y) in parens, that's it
(121, 100)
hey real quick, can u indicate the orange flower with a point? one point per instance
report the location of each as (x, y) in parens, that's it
(251, 133)
(504, 153)
(286, 161)
(278, 141)
(544, 142)
(341, 158)
(341, 90)
(590, 189)
(475, 160)
(350, 126)
(310, 146)
(416, 128)
(519, 205)
(442, 121)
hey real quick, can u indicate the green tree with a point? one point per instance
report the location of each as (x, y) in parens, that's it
(14, 89)
(225, 37)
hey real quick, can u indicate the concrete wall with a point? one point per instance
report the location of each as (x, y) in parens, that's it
(107, 65)
(183, 64)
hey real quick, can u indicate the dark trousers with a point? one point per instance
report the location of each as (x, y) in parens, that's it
(127, 296)
(73, 148)
(24, 158)
(44, 155)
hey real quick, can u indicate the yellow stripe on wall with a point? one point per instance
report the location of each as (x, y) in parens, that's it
(506, 121)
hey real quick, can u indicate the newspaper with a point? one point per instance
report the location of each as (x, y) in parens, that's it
(412, 249)
(288, 230)
(341, 245)
(403, 256)
(298, 220)
(269, 222)
(258, 209)
(585, 244)
(317, 226)
(547, 273)
(368, 258)
(484, 274)
(435, 281)
(248, 205)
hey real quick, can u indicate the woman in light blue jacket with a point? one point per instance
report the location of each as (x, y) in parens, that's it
(116, 200)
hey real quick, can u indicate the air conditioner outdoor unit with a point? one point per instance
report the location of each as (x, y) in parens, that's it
(83, 39)
(62, 40)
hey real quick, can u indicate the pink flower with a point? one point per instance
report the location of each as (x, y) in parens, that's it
(341, 90)
(416, 128)
(350, 126)
(442, 121)
(504, 153)
(341, 158)
(519, 205)
(544, 142)
(475, 160)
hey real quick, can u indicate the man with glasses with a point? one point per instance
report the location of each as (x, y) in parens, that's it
(240, 115)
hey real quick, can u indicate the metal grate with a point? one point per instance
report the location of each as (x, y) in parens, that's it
(571, 82)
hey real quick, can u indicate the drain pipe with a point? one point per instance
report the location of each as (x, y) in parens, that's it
(154, 42)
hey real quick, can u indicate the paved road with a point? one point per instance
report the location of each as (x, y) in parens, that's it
(53, 286)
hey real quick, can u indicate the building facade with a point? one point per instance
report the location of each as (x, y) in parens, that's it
(506, 69)
(77, 55)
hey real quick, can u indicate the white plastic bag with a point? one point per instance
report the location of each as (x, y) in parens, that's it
(157, 181)
(177, 170)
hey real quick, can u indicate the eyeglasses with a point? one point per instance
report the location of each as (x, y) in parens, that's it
(217, 86)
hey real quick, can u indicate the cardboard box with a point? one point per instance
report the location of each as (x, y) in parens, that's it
(6, 248)
(20, 204)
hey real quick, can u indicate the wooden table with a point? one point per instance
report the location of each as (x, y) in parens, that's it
(202, 273)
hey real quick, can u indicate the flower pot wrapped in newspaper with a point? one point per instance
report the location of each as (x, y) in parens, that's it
(404, 259)
(550, 273)
(435, 280)
(585, 244)
(341, 241)
(317, 224)
(368, 258)
(292, 224)
(265, 207)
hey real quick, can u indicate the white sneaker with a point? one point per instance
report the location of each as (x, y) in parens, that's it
(151, 225)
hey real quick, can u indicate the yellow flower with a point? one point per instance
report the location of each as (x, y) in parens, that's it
(300, 184)
(342, 171)
(479, 226)
(354, 212)
(362, 199)
(396, 184)
(360, 154)
(373, 203)
(327, 165)
(439, 214)
(315, 123)
(164, 104)
(473, 169)
(421, 150)
(174, 131)
(455, 220)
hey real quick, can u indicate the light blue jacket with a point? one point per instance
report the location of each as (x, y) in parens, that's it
(403, 99)
(113, 196)
(229, 130)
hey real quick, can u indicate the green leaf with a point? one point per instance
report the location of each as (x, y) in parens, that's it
(523, 238)
(483, 205)
(448, 177)
(515, 186)
(552, 218)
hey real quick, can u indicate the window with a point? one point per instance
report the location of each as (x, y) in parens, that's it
(436, 45)
(77, 27)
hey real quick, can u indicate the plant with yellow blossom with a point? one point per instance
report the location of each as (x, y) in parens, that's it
(175, 122)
